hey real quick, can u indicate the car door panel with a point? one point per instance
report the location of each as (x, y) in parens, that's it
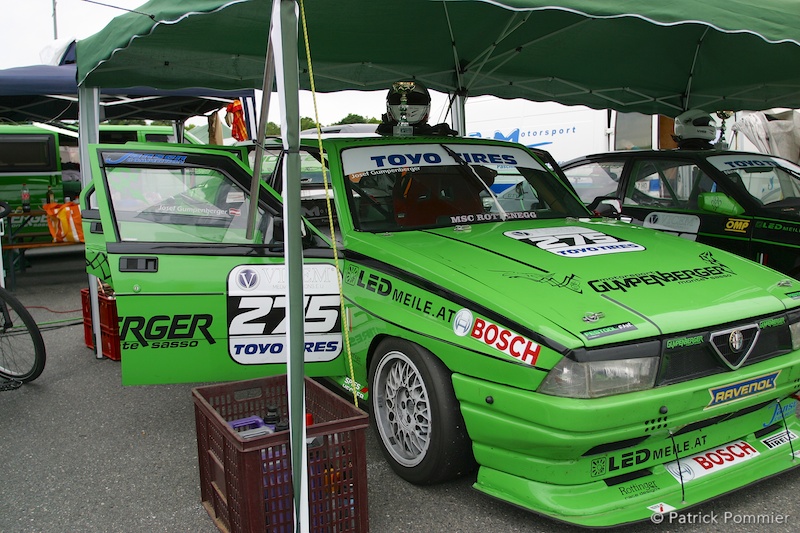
(174, 224)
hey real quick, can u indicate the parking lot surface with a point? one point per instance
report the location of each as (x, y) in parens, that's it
(80, 452)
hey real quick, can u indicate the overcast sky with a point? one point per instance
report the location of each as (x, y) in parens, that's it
(27, 28)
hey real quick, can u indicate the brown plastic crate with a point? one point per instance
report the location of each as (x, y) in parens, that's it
(109, 324)
(108, 337)
(108, 309)
(246, 484)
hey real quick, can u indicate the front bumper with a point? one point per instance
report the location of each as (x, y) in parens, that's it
(610, 461)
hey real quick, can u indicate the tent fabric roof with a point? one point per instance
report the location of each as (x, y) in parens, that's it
(629, 55)
(48, 93)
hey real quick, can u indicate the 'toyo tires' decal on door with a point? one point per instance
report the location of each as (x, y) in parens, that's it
(258, 314)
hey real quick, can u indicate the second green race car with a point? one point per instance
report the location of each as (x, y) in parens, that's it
(595, 371)
(743, 202)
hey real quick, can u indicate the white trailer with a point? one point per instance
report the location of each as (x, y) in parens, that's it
(568, 132)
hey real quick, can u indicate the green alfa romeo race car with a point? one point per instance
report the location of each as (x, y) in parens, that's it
(596, 372)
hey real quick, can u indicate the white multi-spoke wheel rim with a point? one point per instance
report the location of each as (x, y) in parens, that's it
(402, 409)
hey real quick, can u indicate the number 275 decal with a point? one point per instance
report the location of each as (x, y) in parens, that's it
(569, 241)
(257, 314)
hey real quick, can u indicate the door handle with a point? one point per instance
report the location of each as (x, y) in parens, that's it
(138, 264)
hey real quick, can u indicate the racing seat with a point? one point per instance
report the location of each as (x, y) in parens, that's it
(426, 199)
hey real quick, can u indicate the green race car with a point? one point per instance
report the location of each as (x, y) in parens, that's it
(596, 372)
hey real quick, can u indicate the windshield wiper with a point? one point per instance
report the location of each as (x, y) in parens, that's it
(463, 164)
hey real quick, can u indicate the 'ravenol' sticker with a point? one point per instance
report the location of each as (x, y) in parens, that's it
(570, 241)
(742, 389)
(257, 314)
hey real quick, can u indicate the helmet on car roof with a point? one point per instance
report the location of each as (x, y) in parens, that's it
(418, 103)
(695, 124)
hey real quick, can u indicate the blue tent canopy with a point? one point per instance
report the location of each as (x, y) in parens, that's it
(47, 93)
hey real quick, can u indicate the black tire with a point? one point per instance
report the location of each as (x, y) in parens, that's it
(22, 352)
(416, 415)
(5, 209)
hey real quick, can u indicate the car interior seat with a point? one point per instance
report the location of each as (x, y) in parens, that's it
(422, 199)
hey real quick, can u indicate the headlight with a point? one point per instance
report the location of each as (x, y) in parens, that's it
(594, 379)
(794, 329)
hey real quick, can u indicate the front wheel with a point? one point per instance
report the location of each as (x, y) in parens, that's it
(22, 352)
(416, 414)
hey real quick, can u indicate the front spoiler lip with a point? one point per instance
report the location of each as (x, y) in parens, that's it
(568, 503)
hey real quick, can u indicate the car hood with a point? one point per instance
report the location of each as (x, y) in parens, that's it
(590, 282)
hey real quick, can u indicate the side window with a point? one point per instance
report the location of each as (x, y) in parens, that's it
(180, 205)
(668, 184)
(27, 153)
(159, 138)
(313, 190)
(70, 166)
(269, 165)
(117, 137)
(595, 179)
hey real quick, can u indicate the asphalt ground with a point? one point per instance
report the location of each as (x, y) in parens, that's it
(81, 453)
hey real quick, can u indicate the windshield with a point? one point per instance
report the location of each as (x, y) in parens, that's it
(400, 187)
(771, 181)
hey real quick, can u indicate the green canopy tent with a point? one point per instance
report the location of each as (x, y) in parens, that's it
(628, 55)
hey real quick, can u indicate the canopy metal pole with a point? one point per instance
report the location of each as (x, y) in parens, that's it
(179, 127)
(284, 39)
(458, 111)
(89, 132)
(266, 91)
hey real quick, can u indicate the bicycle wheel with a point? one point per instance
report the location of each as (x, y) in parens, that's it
(22, 353)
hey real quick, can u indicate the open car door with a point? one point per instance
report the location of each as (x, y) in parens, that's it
(197, 301)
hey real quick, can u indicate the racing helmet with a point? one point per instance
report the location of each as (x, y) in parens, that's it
(418, 103)
(695, 124)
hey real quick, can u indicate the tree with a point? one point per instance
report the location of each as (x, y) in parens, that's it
(272, 129)
(352, 118)
(307, 123)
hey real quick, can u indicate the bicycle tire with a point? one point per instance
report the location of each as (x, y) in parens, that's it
(22, 351)
(5, 209)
